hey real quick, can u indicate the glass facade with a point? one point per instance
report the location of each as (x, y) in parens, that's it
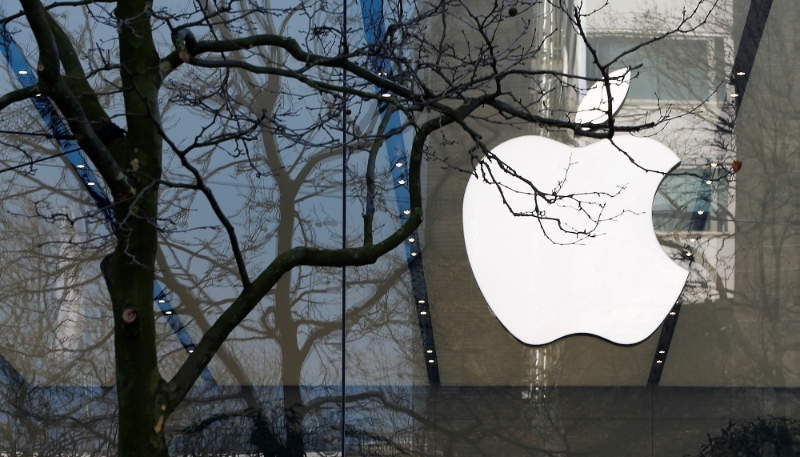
(409, 341)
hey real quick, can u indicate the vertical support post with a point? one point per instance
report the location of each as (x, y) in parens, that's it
(344, 50)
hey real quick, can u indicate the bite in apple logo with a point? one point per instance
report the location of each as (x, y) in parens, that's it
(590, 262)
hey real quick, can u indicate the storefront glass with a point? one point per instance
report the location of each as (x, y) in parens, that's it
(428, 367)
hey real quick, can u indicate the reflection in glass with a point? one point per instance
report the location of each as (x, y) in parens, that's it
(274, 388)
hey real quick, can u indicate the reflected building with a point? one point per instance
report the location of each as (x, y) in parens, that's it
(67, 296)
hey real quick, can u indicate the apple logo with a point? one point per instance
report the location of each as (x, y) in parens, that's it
(587, 262)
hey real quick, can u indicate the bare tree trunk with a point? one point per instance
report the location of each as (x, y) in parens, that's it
(141, 418)
(293, 416)
(293, 407)
(142, 410)
(291, 358)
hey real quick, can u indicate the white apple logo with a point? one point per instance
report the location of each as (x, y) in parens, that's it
(543, 281)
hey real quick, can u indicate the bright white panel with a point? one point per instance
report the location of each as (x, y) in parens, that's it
(617, 284)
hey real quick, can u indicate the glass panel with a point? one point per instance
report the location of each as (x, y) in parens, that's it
(673, 69)
(420, 356)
